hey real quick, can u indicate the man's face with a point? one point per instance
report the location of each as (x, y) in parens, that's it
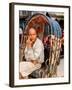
(32, 34)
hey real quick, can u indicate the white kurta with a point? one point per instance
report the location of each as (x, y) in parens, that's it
(34, 53)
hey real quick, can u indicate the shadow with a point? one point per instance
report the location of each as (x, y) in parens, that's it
(6, 84)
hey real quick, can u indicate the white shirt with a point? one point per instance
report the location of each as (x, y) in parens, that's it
(34, 53)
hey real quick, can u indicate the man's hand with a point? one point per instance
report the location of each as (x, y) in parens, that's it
(34, 61)
(29, 43)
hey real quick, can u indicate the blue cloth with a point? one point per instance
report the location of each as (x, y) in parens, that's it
(55, 28)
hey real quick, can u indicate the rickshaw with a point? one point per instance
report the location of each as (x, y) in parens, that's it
(43, 25)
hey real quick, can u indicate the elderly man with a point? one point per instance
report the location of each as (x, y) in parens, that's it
(34, 54)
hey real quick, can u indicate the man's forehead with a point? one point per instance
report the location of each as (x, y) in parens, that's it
(32, 30)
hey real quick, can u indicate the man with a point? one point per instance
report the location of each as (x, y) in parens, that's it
(34, 54)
